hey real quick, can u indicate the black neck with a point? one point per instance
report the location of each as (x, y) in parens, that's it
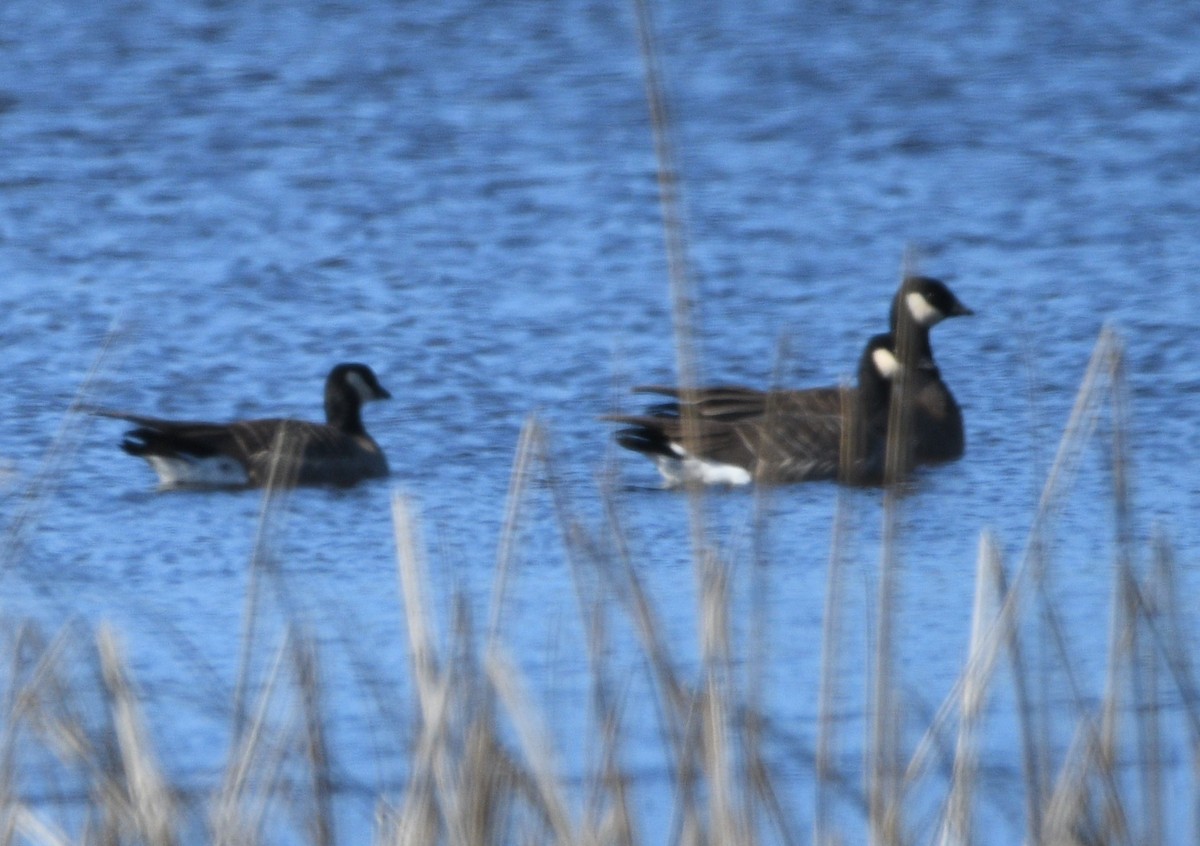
(874, 391)
(912, 339)
(343, 409)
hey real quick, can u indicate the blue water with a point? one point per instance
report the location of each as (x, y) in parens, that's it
(211, 203)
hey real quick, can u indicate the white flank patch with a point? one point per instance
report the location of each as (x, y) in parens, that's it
(221, 471)
(689, 471)
(885, 363)
(922, 311)
(360, 386)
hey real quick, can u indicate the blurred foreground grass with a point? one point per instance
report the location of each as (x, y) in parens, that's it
(481, 768)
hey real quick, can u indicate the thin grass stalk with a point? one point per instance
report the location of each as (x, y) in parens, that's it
(755, 770)
(976, 671)
(627, 587)
(717, 754)
(1081, 426)
(989, 582)
(435, 695)
(33, 829)
(759, 779)
(1170, 637)
(315, 744)
(528, 446)
(229, 818)
(1124, 620)
(495, 790)
(410, 577)
(431, 785)
(1150, 737)
(669, 202)
(9, 733)
(883, 741)
(606, 806)
(677, 704)
(1136, 607)
(27, 703)
(1027, 726)
(827, 690)
(261, 565)
(1079, 430)
(675, 238)
(607, 817)
(1031, 575)
(1070, 808)
(883, 777)
(1120, 647)
(610, 817)
(1065, 817)
(552, 804)
(46, 700)
(151, 803)
(50, 469)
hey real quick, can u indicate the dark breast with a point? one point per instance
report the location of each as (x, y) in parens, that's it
(293, 452)
(937, 422)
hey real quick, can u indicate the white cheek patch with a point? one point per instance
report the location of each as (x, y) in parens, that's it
(360, 386)
(885, 363)
(922, 311)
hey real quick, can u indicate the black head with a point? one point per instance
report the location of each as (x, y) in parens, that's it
(925, 302)
(349, 386)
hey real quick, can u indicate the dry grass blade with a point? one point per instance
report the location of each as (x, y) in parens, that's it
(418, 820)
(883, 785)
(1030, 575)
(528, 445)
(236, 810)
(150, 801)
(410, 571)
(989, 587)
(827, 695)
(669, 201)
(315, 745)
(262, 568)
(28, 513)
(552, 804)
(726, 821)
(33, 829)
(482, 769)
(687, 353)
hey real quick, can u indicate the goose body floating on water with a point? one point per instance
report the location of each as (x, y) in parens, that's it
(255, 453)
(735, 435)
(795, 435)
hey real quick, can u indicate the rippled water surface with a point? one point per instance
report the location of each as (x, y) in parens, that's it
(211, 203)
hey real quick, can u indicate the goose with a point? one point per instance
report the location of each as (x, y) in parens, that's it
(936, 423)
(255, 453)
(733, 436)
(933, 419)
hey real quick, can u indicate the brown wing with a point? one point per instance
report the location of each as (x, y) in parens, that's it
(779, 436)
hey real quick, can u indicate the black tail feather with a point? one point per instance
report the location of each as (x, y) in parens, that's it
(145, 441)
(646, 440)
